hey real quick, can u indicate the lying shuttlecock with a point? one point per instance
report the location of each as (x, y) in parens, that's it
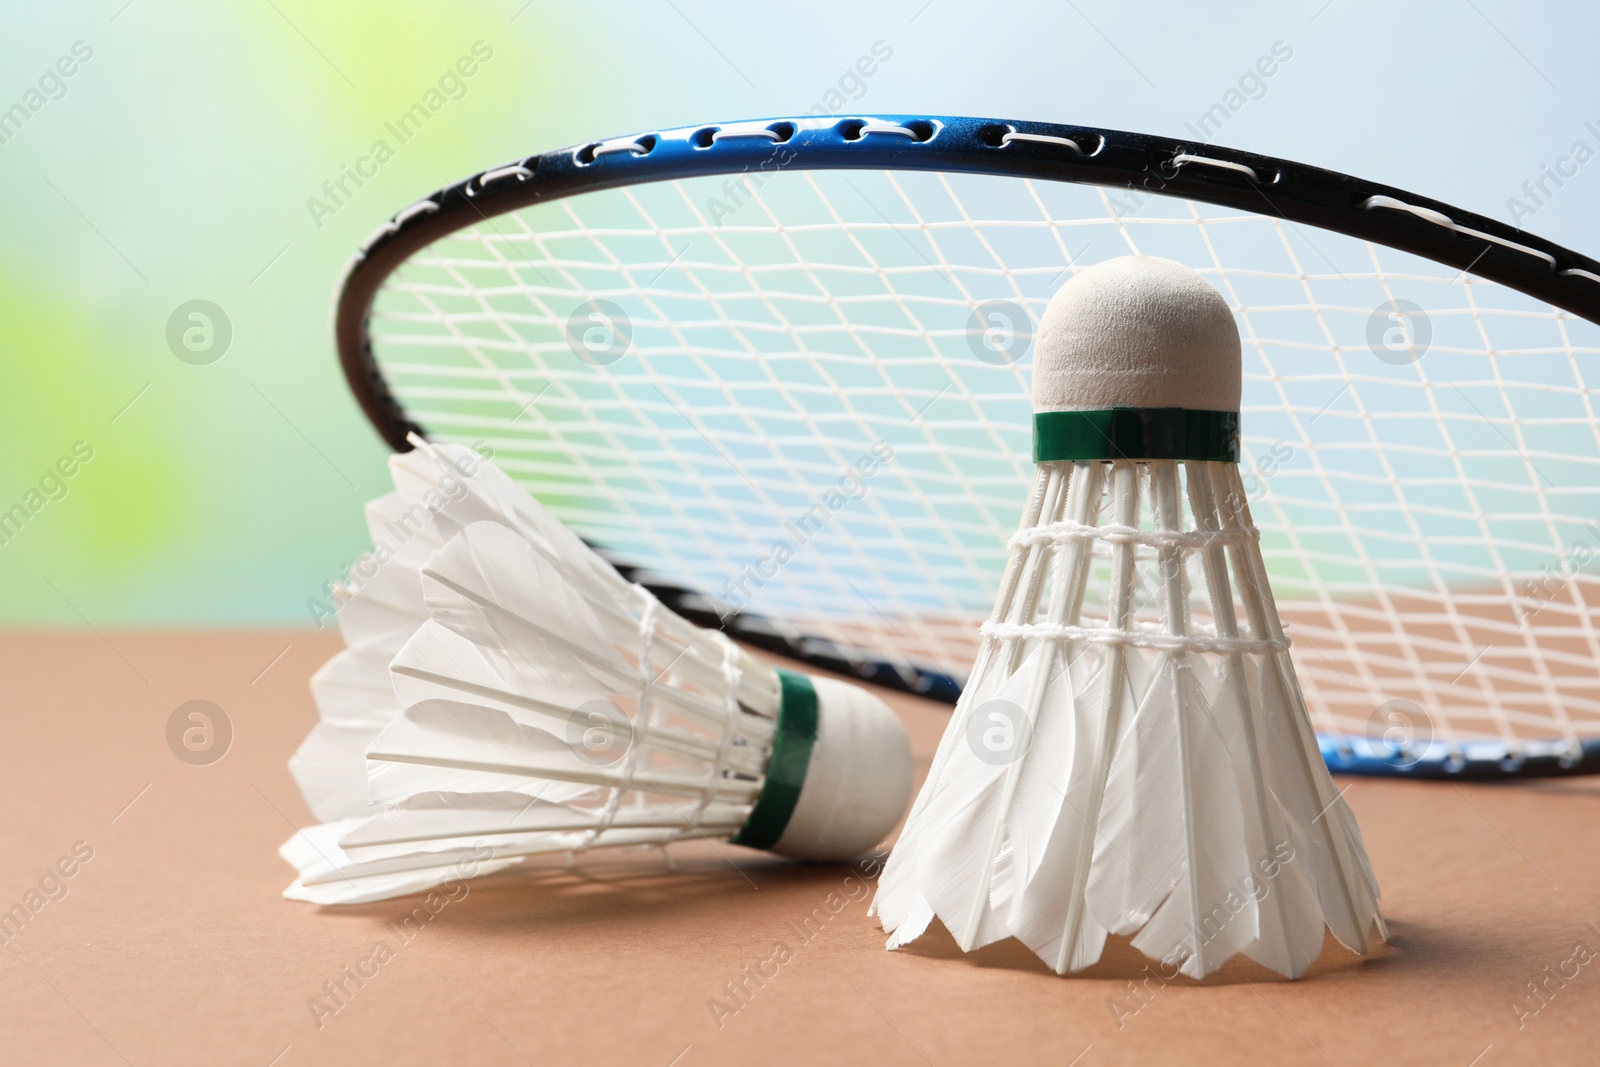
(552, 706)
(1131, 756)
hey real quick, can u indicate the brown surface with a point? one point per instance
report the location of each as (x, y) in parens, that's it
(173, 946)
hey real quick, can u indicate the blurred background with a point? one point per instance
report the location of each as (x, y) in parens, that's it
(161, 161)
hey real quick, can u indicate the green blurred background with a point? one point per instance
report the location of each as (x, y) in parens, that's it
(176, 162)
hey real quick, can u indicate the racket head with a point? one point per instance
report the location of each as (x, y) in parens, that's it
(827, 323)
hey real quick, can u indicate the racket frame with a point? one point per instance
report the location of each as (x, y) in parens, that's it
(1211, 174)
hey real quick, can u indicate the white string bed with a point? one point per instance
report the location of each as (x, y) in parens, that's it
(1428, 505)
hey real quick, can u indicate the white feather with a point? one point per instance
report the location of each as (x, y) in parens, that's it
(1210, 914)
(1139, 855)
(355, 684)
(382, 597)
(962, 827)
(435, 475)
(899, 904)
(328, 876)
(1331, 857)
(330, 766)
(1044, 917)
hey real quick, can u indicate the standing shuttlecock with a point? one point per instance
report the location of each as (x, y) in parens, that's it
(1132, 754)
(542, 703)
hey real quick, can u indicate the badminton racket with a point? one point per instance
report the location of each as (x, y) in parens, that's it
(777, 371)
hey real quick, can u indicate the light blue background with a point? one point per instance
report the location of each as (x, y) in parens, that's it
(179, 161)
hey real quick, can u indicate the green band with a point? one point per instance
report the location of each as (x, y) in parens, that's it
(1136, 433)
(791, 756)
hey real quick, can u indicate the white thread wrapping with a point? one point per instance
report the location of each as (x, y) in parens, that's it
(1066, 531)
(1092, 635)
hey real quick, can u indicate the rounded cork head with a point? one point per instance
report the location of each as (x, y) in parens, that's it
(1137, 332)
(859, 781)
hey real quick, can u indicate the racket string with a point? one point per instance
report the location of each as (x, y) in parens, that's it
(1420, 530)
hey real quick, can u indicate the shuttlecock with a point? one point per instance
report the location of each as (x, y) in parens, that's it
(541, 703)
(1131, 756)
